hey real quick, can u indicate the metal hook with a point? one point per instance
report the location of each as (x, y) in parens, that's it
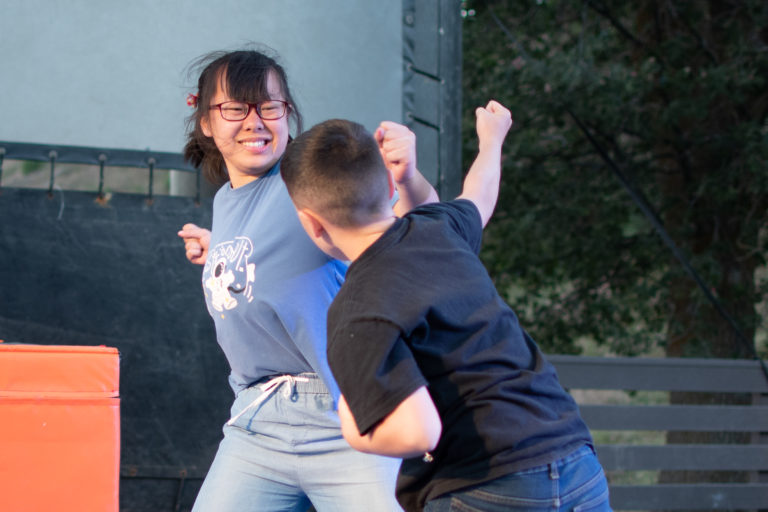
(52, 155)
(102, 161)
(151, 162)
(2, 157)
(180, 490)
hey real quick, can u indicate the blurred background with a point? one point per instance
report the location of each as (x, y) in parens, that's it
(632, 221)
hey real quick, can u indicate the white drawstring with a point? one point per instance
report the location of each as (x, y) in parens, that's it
(270, 387)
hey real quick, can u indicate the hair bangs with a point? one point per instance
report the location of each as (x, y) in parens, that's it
(246, 78)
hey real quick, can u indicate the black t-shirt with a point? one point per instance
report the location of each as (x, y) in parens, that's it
(418, 308)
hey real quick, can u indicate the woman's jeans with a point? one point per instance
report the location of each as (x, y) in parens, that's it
(575, 483)
(287, 451)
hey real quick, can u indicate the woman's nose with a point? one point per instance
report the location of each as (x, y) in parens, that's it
(252, 120)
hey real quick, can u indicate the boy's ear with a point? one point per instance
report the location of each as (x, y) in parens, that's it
(312, 224)
(318, 230)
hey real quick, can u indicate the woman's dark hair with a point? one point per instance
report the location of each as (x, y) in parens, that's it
(243, 75)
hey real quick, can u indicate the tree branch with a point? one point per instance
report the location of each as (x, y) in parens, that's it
(603, 11)
(699, 38)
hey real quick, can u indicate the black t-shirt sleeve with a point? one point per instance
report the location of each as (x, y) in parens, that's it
(462, 216)
(467, 222)
(374, 368)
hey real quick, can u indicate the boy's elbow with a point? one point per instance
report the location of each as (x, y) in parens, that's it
(405, 445)
(356, 443)
(424, 428)
(432, 436)
(419, 441)
(428, 442)
(354, 439)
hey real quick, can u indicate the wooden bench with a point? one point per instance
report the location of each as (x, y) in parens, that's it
(578, 373)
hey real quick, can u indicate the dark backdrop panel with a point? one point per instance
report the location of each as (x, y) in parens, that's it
(77, 272)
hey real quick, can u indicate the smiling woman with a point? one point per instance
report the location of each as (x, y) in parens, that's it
(268, 288)
(249, 142)
(245, 139)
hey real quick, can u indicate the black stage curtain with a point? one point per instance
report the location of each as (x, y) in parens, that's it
(75, 270)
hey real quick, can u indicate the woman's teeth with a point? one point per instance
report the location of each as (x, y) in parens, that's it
(254, 144)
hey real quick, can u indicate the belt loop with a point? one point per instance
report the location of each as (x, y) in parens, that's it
(553, 473)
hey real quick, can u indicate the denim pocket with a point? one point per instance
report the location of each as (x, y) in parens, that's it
(599, 503)
(458, 506)
(592, 495)
(574, 483)
(488, 502)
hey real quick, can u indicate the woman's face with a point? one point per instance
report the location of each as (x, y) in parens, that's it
(250, 147)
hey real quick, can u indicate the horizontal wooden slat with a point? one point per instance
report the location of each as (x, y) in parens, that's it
(689, 497)
(162, 472)
(660, 374)
(696, 418)
(672, 374)
(698, 457)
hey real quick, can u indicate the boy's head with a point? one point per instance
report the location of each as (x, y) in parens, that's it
(335, 171)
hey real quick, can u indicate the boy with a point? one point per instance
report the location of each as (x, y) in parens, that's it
(432, 365)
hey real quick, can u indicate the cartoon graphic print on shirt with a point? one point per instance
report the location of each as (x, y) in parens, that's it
(229, 275)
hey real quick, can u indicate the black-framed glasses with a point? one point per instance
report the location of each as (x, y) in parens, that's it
(238, 110)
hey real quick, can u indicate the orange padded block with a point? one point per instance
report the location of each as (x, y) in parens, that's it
(59, 428)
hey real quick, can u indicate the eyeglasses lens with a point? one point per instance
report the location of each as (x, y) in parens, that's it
(267, 110)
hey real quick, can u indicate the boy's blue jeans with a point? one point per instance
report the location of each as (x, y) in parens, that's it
(287, 450)
(575, 483)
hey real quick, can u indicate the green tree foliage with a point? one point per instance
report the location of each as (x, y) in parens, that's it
(670, 96)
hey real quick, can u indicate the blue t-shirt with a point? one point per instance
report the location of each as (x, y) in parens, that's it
(267, 286)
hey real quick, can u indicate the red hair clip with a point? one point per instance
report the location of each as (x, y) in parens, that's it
(192, 100)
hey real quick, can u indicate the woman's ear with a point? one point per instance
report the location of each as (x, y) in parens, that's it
(205, 125)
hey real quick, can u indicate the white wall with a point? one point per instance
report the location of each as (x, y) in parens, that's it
(107, 73)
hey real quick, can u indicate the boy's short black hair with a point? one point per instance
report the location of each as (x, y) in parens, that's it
(335, 169)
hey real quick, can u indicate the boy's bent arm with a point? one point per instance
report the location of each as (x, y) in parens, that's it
(410, 430)
(414, 192)
(397, 145)
(481, 185)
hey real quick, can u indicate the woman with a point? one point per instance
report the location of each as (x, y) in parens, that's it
(268, 288)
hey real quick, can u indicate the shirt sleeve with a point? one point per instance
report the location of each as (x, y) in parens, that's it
(467, 222)
(374, 368)
(462, 216)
